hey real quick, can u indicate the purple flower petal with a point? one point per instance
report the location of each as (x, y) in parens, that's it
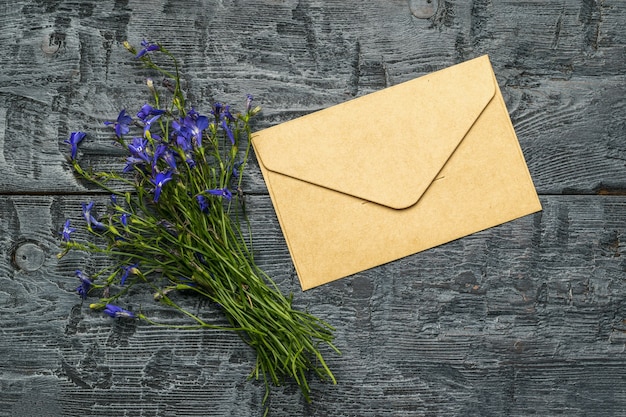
(162, 151)
(147, 47)
(159, 181)
(228, 131)
(203, 203)
(115, 312)
(85, 284)
(147, 110)
(92, 222)
(67, 231)
(126, 271)
(221, 192)
(138, 148)
(122, 124)
(74, 140)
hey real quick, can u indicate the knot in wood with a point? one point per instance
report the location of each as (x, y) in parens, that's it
(423, 9)
(28, 256)
(52, 43)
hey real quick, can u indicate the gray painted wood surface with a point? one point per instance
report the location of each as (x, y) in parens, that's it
(523, 319)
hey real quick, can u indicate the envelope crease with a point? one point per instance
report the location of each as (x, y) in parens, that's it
(472, 181)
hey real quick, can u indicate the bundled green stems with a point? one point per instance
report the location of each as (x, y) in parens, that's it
(182, 227)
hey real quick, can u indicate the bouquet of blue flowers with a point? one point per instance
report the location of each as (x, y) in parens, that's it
(177, 223)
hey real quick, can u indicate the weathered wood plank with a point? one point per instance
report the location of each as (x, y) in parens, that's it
(523, 318)
(560, 65)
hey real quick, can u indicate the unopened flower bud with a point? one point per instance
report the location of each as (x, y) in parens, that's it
(163, 293)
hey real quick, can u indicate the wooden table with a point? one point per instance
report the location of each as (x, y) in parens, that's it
(522, 319)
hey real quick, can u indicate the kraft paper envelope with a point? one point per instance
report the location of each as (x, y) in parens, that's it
(395, 172)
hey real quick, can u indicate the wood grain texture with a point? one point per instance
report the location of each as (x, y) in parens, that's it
(526, 317)
(560, 65)
(522, 319)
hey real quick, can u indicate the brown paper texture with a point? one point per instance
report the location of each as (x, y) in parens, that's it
(395, 172)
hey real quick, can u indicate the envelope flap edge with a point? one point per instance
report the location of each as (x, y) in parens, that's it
(385, 147)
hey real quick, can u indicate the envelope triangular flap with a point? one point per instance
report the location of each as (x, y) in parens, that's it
(388, 146)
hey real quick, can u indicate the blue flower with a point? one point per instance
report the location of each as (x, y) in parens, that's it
(128, 270)
(197, 126)
(203, 202)
(115, 312)
(95, 224)
(87, 210)
(148, 124)
(236, 167)
(85, 284)
(162, 151)
(131, 162)
(124, 219)
(92, 222)
(74, 140)
(147, 110)
(249, 99)
(221, 192)
(183, 142)
(189, 130)
(226, 114)
(228, 131)
(122, 124)
(67, 231)
(190, 162)
(159, 181)
(147, 47)
(138, 148)
(217, 110)
(182, 134)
